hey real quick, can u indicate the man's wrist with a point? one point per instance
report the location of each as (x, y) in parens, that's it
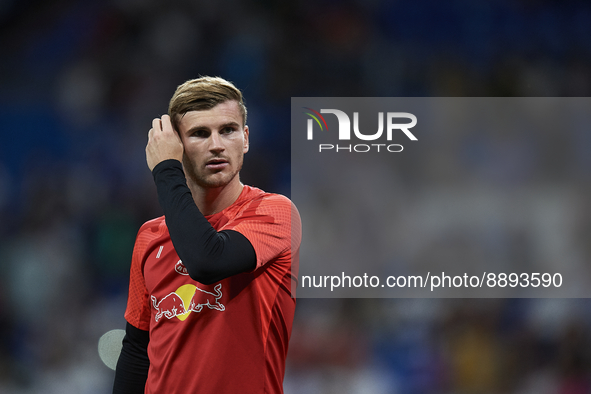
(166, 164)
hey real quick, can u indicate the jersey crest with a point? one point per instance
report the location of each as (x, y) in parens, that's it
(180, 268)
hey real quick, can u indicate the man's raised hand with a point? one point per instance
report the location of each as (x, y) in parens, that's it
(163, 142)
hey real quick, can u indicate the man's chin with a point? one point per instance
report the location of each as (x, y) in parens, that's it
(214, 184)
(210, 180)
(215, 181)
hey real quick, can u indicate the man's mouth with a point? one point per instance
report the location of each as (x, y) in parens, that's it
(216, 164)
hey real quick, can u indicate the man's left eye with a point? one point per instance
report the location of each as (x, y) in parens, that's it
(227, 130)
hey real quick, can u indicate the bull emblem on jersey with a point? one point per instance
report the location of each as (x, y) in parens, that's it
(170, 306)
(203, 298)
(173, 305)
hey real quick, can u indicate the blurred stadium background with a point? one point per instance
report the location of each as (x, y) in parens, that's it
(81, 81)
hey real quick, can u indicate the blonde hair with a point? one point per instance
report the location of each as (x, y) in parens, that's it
(202, 94)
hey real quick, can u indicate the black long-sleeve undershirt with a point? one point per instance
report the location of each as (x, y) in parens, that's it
(208, 255)
(132, 368)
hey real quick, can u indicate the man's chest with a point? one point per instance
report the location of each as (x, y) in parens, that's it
(163, 267)
(173, 294)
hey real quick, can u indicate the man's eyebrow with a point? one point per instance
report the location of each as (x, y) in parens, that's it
(230, 124)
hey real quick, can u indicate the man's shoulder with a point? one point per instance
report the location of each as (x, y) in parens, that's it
(269, 207)
(255, 199)
(255, 194)
(153, 228)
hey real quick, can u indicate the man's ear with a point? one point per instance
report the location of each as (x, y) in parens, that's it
(246, 143)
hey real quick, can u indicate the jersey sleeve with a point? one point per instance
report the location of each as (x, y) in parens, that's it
(272, 225)
(138, 307)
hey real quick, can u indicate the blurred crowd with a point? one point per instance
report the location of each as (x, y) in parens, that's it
(80, 82)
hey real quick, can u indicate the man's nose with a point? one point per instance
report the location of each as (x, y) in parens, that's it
(216, 144)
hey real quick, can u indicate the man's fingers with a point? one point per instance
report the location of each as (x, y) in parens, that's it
(163, 124)
(157, 124)
(166, 123)
(163, 142)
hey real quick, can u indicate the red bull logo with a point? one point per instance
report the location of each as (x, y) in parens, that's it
(170, 306)
(173, 304)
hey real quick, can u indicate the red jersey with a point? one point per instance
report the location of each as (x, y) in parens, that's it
(231, 336)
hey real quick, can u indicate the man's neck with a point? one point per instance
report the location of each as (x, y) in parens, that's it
(214, 200)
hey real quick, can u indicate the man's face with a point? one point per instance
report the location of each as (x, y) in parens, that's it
(215, 142)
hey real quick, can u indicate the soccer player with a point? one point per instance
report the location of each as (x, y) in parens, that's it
(210, 305)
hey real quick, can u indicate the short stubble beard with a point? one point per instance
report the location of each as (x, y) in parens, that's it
(206, 182)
